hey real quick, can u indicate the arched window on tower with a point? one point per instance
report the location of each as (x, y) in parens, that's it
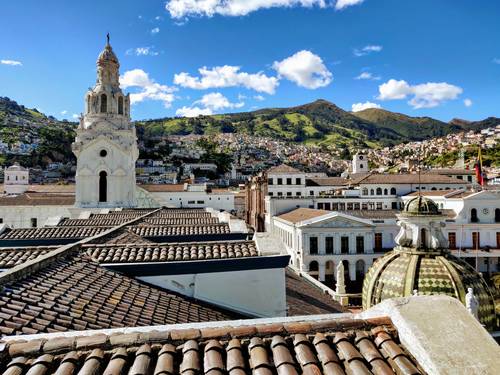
(423, 238)
(103, 186)
(393, 191)
(497, 215)
(120, 105)
(473, 216)
(104, 103)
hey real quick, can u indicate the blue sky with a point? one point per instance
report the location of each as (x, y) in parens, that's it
(438, 58)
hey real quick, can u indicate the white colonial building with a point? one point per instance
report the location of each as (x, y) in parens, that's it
(16, 179)
(106, 142)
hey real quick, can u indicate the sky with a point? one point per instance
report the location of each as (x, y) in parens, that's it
(437, 58)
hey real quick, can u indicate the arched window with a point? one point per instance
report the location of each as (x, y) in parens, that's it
(473, 216)
(379, 191)
(386, 192)
(393, 191)
(365, 191)
(497, 215)
(104, 103)
(434, 188)
(372, 192)
(313, 266)
(120, 105)
(103, 187)
(360, 269)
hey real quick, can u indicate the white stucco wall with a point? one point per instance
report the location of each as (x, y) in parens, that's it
(257, 293)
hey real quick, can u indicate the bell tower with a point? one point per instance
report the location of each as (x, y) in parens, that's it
(106, 142)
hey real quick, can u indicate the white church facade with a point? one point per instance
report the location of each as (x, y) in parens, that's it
(106, 142)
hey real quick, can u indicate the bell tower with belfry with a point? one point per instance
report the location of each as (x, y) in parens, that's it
(106, 142)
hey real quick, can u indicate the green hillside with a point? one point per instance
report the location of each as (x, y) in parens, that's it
(413, 128)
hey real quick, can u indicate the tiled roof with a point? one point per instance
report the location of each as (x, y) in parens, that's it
(10, 257)
(452, 171)
(301, 214)
(77, 294)
(433, 193)
(283, 169)
(123, 237)
(329, 181)
(410, 179)
(51, 232)
(38, 199)
(137, 253)
(169, 213)
(303, 298)
(180, 230)
(337, 346)
(52, 188)
(181, 221)
(97, 222)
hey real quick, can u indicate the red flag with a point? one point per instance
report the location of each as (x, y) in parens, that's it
(479, 169)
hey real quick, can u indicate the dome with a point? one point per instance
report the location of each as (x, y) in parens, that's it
(107, 54)
(401, 271)
(421, 206)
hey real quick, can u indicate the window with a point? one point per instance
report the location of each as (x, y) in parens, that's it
(200, 202)
(329, 245)
(361, 166)
(269, 181)
(341, 206)
(372, 192)
(364, 206)
(386, 192)
(378, 241)
(1, 220)
(103, 186)
(360, 244)
(452, 240)
(393, 191)
(473, 216)
(288, 181)
(423, 238)
(344, 245)
(103, 153)
(476, 240)
(394, 205)
(280, 194)
(469, 178)
(379, 205)
(335, 206)
(288, 193)
(356, 206)
(497, 215)
(120, 105)
(365, 191)
(104, 103)
(298, 194)
(298, 181)
(191, 202)
(270, 193)
(349, 206)
(311, 192)
(498, 239)
(280, 181)
(34, 222)
(321, 206)
(313, 245)
(379, 191)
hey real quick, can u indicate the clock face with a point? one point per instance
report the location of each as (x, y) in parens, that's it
(486, 211)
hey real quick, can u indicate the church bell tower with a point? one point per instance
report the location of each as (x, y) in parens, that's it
(106, 142)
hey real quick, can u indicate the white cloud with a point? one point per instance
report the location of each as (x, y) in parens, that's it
(11, 62)
(305, 69)
(142, 51)
(207, 105)
(426, 95)
(496, 60)
(341, 4)
(156, 30)
(193, 112)
(356, 107)
(216, 101)
(64, 112)
(148, 88)
(468, 102)
(75, 116)
(227, 76)
(209, 8)
(259, 98)
(368, 76)
(366, 50)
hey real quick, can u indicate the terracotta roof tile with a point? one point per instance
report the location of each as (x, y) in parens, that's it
(328, 181)
(361, 350)
(170, 252)
(179, 230)
(77, 294)
(38, 199)
(283, 169)
(10, 257)
(301, 214)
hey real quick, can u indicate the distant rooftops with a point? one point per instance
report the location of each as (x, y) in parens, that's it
(283, 169)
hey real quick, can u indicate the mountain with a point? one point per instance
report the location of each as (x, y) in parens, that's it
(489, 122)
(32, 138)
(319, 122)
(411, 128)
